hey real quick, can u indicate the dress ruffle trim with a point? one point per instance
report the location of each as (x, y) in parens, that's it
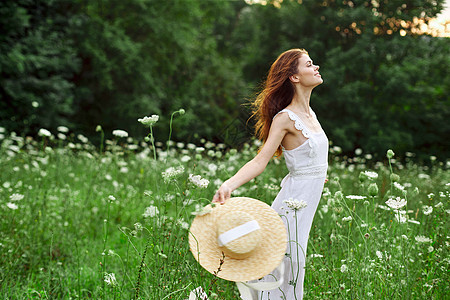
(298, 124)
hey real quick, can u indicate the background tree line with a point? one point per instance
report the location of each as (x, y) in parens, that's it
(81, 63)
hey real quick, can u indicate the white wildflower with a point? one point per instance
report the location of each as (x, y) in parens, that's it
(16, 197)
(172, 172)
(111, 198)
(110, 279)
(422, 239)
(295, 204)
(344, 268)
(162, 255)
(149, 121)
(150, 211)
(427, 209)
(138, 226)
(316, 255)
(12, 205)
(371, 175)
(198, 181)
(185, 158)
(205, 210)
(44, 132)
(83, 139)
(63, 129)
(358, 151)
(439, 205)
(396, 203)
(355, 197)
(346, 219)
(400, 216)
(399, 186)
(61, 136)
(430, 249)
(379, 254)
(120, 133)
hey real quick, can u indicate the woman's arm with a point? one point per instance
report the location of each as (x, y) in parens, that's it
(256, 166)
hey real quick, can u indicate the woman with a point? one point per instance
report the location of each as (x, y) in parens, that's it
(286, 124)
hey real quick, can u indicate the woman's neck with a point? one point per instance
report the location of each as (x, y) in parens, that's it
(300, 102)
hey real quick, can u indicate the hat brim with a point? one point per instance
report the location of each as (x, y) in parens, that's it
(203, 241)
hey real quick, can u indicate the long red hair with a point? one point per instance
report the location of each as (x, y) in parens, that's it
(278, 92)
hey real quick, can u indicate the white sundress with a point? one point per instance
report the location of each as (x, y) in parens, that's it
(307, 165)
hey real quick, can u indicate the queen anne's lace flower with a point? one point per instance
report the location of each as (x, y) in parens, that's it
(427, 209)
(355, 197)
(110, 279)
(120, 133)
(371, 175)
(12, 206)
(295, 204)
(16, 197)
(172, 172)
(198, 181)
(150, 211)
(346, 219)
(149, 121)
(396, 203)
(44, 132)
(422, 239)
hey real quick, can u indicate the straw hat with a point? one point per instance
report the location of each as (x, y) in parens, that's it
(249, 233)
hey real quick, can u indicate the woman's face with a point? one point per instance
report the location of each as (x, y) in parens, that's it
(308, 73)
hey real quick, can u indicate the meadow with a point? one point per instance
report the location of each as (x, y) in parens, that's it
(85, 222)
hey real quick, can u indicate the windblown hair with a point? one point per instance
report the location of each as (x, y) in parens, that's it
(278, 92)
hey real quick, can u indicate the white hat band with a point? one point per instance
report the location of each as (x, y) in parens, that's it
(237, 232)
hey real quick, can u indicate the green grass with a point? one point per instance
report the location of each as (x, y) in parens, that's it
(66, 233)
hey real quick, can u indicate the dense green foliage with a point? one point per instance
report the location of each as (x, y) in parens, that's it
(71, 216)
(82, 63)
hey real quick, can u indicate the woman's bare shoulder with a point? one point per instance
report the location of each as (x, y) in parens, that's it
(282, 121)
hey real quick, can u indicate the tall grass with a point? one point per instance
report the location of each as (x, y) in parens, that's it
(81, 223)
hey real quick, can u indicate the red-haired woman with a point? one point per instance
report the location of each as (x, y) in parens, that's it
(287, 124)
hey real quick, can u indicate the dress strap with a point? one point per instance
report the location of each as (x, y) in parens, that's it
(298, 123)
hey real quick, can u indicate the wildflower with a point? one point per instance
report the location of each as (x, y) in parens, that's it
(150, 211)
(390, 153)
(399, 186)
(198, 181)
(404, 237)
(98, 128)
(394, 177)
(16, 197)
(162, 255)
(344, 268)
(316, 255)
(120, 133)
(347, 219)
(400, 216)
(83, 139)
(379, 254)
(430, 249)
(44, 132)
(181, 111)
(396, 203)
(422, 239)
(172, 172)
(63, 129)
(439, 205)
(371, 175)
(149, 121)
(355, 197)
(111, 198)
(358, 151)
(205, 210)
(414, 221)
(138, 226)
(295, 204)
(111, 252)
(110, 279)
(12, 206)
(373, 189)
(427, 209)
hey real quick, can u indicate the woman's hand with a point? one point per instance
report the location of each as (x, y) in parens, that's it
(222, 194)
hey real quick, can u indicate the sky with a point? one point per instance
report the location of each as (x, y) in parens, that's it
(445, 14)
